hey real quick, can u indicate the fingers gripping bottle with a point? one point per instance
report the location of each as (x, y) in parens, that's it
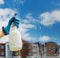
(15, 41)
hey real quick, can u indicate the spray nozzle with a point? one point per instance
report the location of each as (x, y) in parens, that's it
(15, 14)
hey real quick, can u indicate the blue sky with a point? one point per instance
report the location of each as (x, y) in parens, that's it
(40, 20)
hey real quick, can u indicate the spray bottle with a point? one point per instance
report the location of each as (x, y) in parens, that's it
(15, 41)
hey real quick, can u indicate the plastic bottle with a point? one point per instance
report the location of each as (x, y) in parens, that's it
(15, 42)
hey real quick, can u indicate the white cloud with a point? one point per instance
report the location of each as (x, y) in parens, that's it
(58, 4)
(44, 38)
(26, 21)
(4, 39)
(2, 2)
(26, 25)
(27, 37)
(19, 1)
(50, 18)
(22, 1)
(3, 23)
(5, 14)
(29, 15)
(30, 18)
(24, 28)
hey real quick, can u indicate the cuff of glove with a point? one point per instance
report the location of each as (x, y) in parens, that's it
(4, 31)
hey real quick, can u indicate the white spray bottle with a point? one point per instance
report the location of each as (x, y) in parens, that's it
(15, 41)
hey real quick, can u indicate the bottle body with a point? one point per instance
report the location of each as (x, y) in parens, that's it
(15, 41)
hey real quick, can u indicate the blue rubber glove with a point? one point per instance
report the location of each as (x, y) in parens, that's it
(6, 29)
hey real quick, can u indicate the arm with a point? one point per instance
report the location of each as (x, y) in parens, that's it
(6, 30)
(1, 33)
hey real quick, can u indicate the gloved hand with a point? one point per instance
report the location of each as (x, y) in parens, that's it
(6, 29)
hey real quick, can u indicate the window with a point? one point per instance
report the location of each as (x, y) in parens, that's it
(16, 53)
(49, 48)
(2, 47)
(35, 52)
(30, 47)
(2, 53)
(30, 53)
(35, 57)
(24, 53)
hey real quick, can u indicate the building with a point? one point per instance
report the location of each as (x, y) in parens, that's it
(11, 54)
(2, 50)
(37, 50)
(59, 49)
(51, 49)
(27, 50)
(16, 54)
(30, 50)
